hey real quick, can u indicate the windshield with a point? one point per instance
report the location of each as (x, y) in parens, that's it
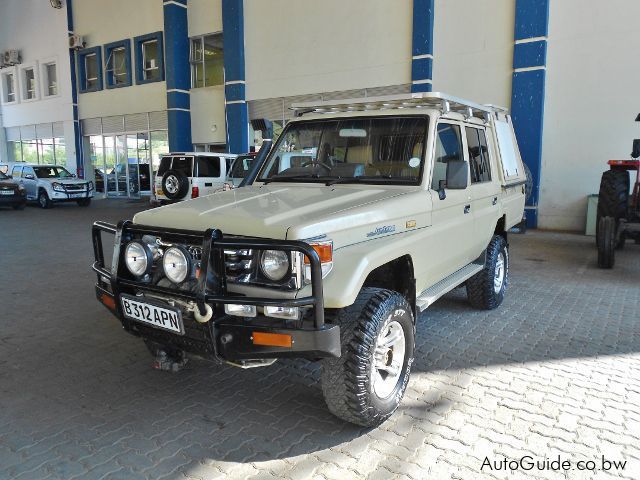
(52, 172)
(241, 167)
(353, 150)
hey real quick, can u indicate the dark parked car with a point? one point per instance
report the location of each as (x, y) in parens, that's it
(12, 194)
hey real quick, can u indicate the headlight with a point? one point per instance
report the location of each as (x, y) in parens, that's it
(58, 187)
(138, 258)
(176, 264)
(274, 264)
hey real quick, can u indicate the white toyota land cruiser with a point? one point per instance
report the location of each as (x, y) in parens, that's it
(332, 258)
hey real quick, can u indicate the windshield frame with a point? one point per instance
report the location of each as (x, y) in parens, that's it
(4, 176)
(367, 180)
(56, 167)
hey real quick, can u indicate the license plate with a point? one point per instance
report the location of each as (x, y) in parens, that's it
(76, 195)
(6, 192)
(151, 314)
(159, 191)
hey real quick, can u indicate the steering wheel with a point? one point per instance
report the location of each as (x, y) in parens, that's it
(317, 163)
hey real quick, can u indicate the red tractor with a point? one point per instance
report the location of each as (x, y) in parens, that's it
(618, 210)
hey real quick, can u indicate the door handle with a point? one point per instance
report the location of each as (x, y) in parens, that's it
(495, 201)
(467, 209)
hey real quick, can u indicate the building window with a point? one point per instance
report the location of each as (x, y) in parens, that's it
(8, 88)
(90, 69)
(50, 72)
(149, 58)
(118, 64)
(42, 150)
(29, 83)
(207, 61)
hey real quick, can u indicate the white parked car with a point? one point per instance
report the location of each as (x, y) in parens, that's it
(190, 175)
(49, 184)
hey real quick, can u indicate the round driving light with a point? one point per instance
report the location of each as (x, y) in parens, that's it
(176, 264)
(138, 258)
(274, 264)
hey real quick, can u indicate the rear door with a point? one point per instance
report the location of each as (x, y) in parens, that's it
(30, 182)
(485, 189)
(209, 174)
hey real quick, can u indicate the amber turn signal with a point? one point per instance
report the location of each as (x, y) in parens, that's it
(108, 301)
(324, 251)
(272, 339)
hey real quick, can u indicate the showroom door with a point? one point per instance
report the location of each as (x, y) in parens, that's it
(111, 167)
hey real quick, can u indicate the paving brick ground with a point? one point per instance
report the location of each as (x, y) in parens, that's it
(554, 371)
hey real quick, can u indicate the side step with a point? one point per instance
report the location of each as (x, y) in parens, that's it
(431, 294)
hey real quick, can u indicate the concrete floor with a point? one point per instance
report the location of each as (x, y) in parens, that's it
(553, 372)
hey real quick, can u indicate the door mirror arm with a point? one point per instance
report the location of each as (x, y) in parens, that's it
(442, 194)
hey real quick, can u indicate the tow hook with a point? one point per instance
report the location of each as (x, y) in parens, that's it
(203, 318)
(166, 363)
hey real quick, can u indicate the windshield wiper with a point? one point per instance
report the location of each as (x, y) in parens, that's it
(362, 179)
(293, 178)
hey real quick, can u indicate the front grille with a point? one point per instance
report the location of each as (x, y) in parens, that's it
(238, 265)
(76, 187)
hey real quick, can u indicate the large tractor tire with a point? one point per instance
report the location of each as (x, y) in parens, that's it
(606, 238)
(613, 199)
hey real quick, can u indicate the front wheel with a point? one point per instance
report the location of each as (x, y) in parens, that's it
(606, 240)
(19, 206)
(486, 289)
(43, 199)
(85, 202)
(377, 334)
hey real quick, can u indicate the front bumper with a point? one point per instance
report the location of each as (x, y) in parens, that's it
(11, 200)
(224, 337)
(70, 195)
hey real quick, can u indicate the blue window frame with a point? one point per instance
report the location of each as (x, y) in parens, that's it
(149, 58)
(118, 64)
(90, 69)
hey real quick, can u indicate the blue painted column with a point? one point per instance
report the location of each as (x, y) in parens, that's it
(422, 52)
(237, 115)
(77, 129)
(178, 75)
(528, 90)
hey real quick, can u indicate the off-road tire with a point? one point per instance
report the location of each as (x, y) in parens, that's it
(480, 288)
(347, 381)
(182, 184)
(607, 227)
(613, 199)
(43, 199)
(85, 202)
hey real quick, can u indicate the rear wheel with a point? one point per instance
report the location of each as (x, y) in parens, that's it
(377, 334)
(486, 289)
(613, 199)
(606, 238)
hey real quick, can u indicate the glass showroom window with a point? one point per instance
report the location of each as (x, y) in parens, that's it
(9, 88)
(59, 151)
(51, 79)
(207, 61)
(91, 71)
(150, 65)
(29, 83)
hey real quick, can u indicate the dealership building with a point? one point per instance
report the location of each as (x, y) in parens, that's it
(98, 86)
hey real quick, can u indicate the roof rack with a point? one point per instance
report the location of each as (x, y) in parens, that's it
(435, 100)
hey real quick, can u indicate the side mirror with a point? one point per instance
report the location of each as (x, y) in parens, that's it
(457, 174)
(29, 176)
(636, 148)
(74, 175)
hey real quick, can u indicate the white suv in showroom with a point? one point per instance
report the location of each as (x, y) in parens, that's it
(191, 175)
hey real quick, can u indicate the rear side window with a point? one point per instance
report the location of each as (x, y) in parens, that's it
(183, 165)
(448, 148)
(478, 155)
(16, 172)
(208, 166)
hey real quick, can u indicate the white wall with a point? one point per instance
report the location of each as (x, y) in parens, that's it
(101, 22)
(295, 47)
(473, 49)
(208, 115)
(593, 97)
(205, 16)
